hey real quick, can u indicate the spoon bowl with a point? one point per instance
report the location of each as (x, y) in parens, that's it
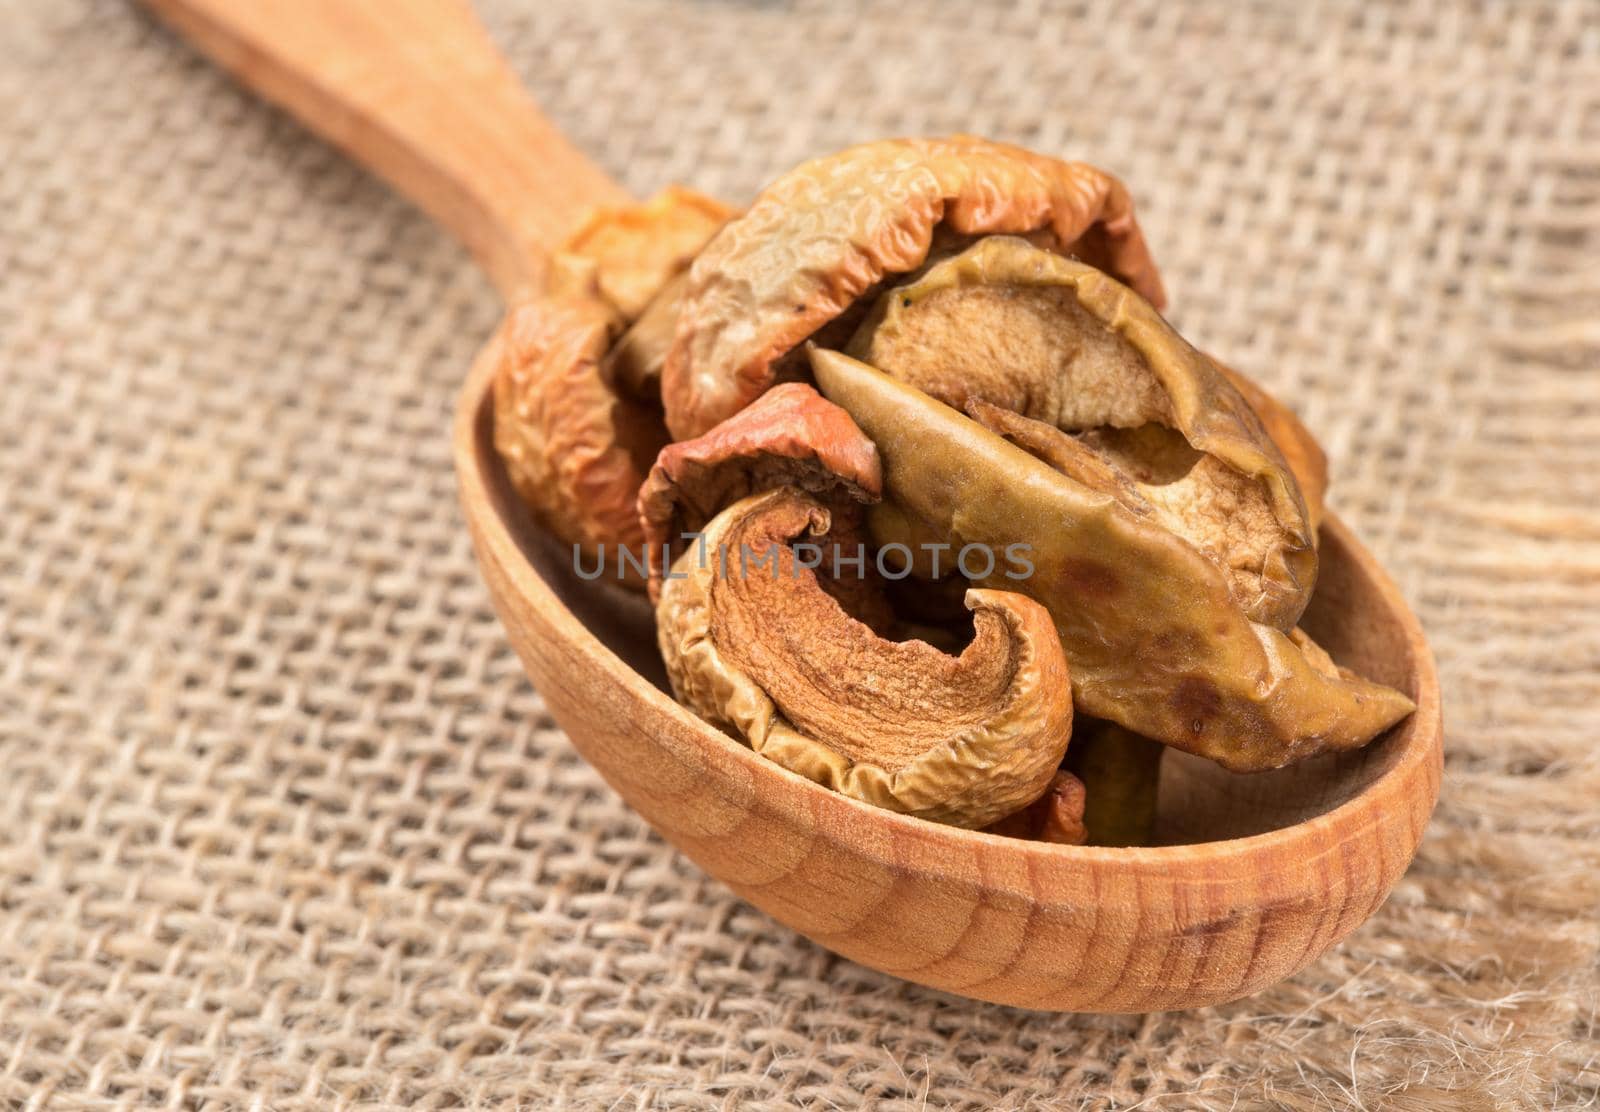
(1265, 872)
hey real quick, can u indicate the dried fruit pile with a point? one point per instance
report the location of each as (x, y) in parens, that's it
(951, 480)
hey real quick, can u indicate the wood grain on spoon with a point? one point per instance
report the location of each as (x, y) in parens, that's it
(415, 91)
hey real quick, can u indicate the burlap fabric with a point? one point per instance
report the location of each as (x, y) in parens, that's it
(285, 826)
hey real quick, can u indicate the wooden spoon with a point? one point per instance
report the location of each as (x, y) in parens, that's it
(1277, 867)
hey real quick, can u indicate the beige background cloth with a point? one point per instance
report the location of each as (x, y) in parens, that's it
(283, 822)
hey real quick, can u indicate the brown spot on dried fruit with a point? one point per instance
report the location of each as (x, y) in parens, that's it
(1195, 701)
(1084, 576)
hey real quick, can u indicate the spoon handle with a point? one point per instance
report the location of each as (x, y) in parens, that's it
(415, 91)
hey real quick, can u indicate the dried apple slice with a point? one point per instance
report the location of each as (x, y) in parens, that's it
(576, 445)
(1154, 638)
(1044, 346)
(773, 657)
(825, 234)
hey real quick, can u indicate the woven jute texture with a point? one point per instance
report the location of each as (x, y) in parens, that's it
(282, 824)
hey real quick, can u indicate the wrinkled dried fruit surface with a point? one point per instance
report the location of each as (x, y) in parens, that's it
(575, 445)
(575, 451)
(826, 233)
(1120, 772)
(1056, 816)
(791, 436)
(1155, 640)
(1047, 346)
(776, 660)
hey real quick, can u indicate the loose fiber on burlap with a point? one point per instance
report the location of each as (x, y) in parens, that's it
(283, 825)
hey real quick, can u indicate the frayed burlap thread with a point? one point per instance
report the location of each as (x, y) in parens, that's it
(282, 825)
